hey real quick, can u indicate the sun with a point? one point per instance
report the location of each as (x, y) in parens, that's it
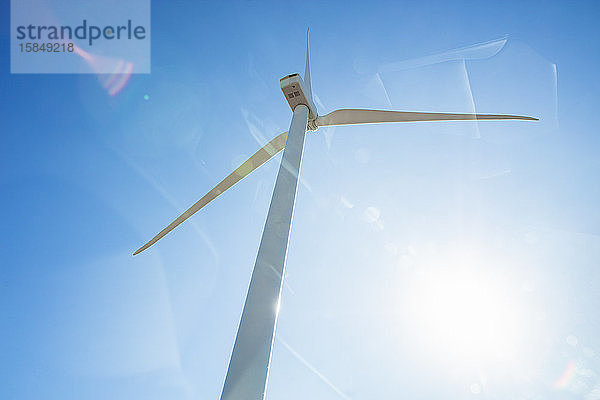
(466, 313)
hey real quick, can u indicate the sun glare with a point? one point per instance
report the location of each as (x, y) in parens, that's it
(466, 314)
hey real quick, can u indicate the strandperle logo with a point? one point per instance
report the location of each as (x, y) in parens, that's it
(80, 37)
(85, 31)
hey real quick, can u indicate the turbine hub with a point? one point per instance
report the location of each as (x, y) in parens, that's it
(312, 125)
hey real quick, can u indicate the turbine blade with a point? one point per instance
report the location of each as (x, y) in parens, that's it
(307, 70)
(358, 116)
(259, 158)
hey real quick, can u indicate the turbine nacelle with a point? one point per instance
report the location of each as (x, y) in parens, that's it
(294, 90)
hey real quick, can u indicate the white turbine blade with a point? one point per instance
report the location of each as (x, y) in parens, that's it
(259, 158)
(307, 70)
(358, 116)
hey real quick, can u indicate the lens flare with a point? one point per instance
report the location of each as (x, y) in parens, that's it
(113, 82)
(566, 377)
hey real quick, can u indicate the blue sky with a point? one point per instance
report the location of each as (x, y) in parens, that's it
(438, 260)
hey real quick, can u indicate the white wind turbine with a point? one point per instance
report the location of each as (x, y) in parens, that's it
(249, 364)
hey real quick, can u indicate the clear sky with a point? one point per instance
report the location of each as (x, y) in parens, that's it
(441, 260)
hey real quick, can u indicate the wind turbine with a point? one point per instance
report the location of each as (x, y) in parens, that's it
(249, 364)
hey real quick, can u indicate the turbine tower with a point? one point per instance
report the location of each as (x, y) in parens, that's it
(249, 364)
